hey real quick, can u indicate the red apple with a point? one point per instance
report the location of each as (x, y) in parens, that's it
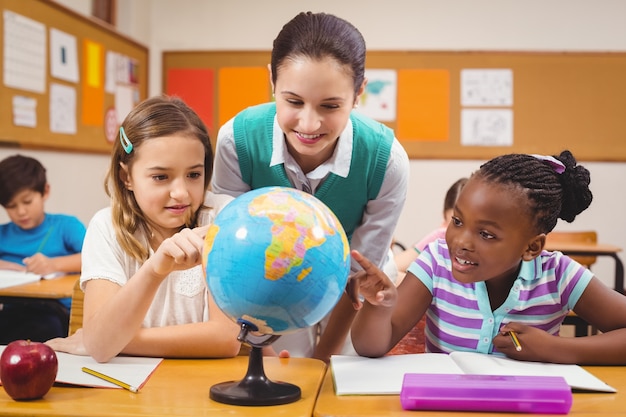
(28, 369)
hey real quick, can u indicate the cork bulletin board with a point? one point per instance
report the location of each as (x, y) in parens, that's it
(555, 100)
(68, 80)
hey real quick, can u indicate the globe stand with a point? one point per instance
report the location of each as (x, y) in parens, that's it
(255, 388)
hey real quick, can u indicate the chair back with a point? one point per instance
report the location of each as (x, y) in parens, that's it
(76, 310)
(587, 236)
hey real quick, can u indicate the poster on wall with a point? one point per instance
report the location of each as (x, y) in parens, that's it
(24, 53)
(378, 101)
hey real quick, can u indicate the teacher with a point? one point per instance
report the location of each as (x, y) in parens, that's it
(311, 139)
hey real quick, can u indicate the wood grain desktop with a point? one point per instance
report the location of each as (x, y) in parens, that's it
(178, 387)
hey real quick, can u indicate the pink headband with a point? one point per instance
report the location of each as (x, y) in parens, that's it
(557, 165)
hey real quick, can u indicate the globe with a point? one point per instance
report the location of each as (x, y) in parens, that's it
(277, 258)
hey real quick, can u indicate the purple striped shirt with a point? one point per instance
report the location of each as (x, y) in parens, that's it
(460, 316)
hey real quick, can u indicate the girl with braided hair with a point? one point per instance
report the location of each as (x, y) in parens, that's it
(491, 276)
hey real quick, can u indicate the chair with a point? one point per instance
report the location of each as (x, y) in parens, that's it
(76, 310)
(589, 236)
(413, 341)
(573, 237)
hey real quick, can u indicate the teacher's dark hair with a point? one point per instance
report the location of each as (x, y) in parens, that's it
(318, 36)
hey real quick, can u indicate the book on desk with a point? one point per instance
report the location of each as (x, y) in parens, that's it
(133, 370)
(10, 278)
(356, 375)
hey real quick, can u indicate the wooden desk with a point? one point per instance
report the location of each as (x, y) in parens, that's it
(178, 387)
(584, 405)
(46, 288)
(598, 249)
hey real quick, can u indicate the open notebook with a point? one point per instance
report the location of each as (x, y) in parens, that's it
(132, 370)
(356, 375)
(9, 278)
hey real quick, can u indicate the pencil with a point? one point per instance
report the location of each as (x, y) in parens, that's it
(110, 379)
(515, 340)
(44, 240)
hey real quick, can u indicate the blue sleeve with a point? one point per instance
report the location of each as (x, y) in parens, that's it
(73, 234)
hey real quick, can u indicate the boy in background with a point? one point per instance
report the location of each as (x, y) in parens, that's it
(38, 242)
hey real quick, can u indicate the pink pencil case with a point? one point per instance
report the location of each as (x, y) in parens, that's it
(463, 392)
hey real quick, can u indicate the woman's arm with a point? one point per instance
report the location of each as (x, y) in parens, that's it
(373, 237)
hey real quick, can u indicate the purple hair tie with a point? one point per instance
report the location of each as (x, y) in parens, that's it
(557, 165)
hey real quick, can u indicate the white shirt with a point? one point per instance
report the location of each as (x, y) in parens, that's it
(181, 298)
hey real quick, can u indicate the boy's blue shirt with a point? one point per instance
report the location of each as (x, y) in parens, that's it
(57, 235)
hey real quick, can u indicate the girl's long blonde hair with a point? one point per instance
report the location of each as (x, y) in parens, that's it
(155, 117)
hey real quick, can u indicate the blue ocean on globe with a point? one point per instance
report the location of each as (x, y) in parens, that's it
(278, 258)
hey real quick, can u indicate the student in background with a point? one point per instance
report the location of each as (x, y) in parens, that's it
(145, 290)
(491, 279)
(38, 242)
(310, 139)
(406, 257)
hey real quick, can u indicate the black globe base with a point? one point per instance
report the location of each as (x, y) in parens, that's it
(255, 388)
(255, 393)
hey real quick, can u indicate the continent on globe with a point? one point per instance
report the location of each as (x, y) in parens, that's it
(292, 234)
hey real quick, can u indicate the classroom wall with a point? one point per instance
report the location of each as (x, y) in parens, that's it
(557, 25)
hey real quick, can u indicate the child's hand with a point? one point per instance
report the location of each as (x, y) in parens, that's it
(371, 283)
(11, 266)
(72, 344)
(39, 264)
(181, 251)
(536, 344)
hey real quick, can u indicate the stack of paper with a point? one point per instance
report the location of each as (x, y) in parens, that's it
(9, 278)
(132, 370)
